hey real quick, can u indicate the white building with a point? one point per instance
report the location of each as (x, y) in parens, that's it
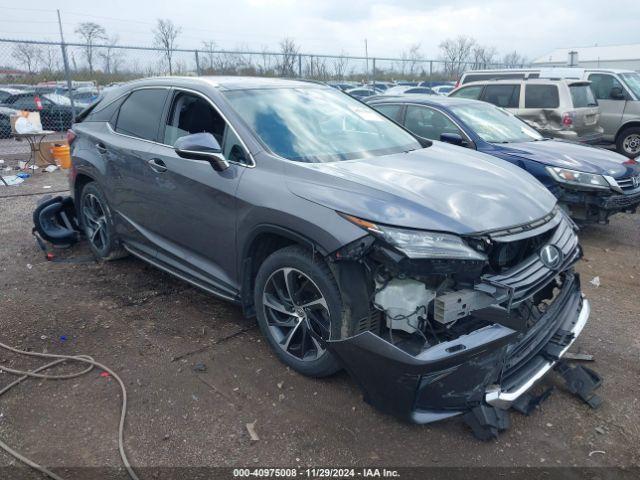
(625, 57)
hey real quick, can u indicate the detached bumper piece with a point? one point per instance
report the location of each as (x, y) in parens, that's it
(581, 381)
(592, 207)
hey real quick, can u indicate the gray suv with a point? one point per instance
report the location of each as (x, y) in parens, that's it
(441, 279)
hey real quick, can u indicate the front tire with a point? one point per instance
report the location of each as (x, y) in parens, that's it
(97, 224)
(298, 306)
(628, 143)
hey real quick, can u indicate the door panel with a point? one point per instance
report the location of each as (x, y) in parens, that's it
(193, 212)
(611, 110)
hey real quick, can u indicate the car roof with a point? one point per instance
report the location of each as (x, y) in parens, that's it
(423, 99)
(228, 82)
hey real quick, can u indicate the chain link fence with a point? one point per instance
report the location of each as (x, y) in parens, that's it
(59, 80)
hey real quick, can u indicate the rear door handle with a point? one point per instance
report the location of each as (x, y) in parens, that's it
(101, 148)
(157, 165)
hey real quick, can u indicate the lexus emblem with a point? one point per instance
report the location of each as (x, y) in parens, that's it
(551, 256)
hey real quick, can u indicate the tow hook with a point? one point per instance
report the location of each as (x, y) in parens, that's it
(581, 381)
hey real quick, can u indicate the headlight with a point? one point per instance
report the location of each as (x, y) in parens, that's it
(579, 179)
(419, 243)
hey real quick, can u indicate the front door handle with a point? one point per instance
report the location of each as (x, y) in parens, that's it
(157, 165)
(101, 148)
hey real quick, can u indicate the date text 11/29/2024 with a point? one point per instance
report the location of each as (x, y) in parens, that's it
(315, 472)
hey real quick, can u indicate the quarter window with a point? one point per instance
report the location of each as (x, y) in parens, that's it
(505, 96)
(541, 96)
(390, 111)
(428, 123)
(141, 112)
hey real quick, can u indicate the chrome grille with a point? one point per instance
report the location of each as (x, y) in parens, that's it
(629, 183)
(531, 275)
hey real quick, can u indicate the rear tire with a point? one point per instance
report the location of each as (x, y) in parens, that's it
(628, 143)
(298, 306)
(97, 224)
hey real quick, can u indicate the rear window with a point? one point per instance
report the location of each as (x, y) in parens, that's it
(582, 96)
(141, 112)
(468, 92)
(541, 96)
(505, 96)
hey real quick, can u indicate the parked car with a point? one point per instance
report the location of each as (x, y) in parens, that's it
(5, 121)
(362, 92)
(344, 86)
(408, 90)
(565, 109)
(7, 92)
(55, 110)
(442, 89)
(355, 243)
(590, 183)
(617, 92)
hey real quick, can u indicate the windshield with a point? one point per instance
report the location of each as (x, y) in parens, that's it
(59, 99)
(318, 124)
(633, 82)
(582, 96)
(495, 125)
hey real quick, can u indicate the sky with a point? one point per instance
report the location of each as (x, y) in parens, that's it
(533, 28)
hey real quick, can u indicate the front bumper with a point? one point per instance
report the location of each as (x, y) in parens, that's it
(494, 364)
(592, 206)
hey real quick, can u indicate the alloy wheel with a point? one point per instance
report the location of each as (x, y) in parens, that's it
(95, 221)
(631, 144)
(297, 313)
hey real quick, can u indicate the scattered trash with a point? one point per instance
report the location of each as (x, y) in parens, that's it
(281, 397)
(252, 431)
(105, 374)
(1, 161)
(23, 175)
(600, 430)
(22, 164)
(51, 168)
(43, 337)
(199, 367)
(10, 180)
(584, 357)
(595, 282)
(601, 452)
(194, 397)
(280, 384)
(63, 338)
(33, 167)
(46, 186)
(29, 266)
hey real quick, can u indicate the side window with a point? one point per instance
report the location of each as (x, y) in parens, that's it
(505, 96)
(23, 102)
(193, 114)
(601, 84)
(428, 123)
(468, 92)
(141, 112)
(390, 111)
(105, 113)
(541, 96)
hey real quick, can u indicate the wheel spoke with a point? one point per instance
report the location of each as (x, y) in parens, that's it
(318, 302)
(286, 341)
(274, 304)
(289, 284)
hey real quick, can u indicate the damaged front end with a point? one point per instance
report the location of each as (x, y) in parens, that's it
(435, 325)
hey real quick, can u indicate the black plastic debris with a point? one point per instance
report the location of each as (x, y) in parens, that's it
(527, 403)
(581, 381)
(487, 421)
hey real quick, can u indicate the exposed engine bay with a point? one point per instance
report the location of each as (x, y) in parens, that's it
(440, 337)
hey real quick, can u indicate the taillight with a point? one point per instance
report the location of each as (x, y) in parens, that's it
(38, 102)
(567, 119)
(71, 136)
(631, 161)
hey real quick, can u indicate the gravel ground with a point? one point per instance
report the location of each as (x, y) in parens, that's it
(137, 319)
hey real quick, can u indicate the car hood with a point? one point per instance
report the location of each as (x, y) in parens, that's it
(569, 155)
(442, 188)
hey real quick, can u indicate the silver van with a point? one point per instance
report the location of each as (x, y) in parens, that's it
(617, 92)
(564, 109)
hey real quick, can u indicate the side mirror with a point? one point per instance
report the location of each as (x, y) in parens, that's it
(617, 93)
(201, 146)
(454, 139)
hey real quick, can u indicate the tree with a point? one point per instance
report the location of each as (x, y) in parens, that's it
(209, 48)
(483, 56)
(27, 55)
(91, 33)
(413, 57)
(456, 53)
(49, 58)
(289, 54)
(513, 60)
(164, 37)
(111, 55)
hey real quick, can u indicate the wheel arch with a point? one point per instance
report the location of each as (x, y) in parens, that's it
(630, 124)
(262, 242)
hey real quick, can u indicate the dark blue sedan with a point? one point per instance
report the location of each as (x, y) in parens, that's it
(590, 183)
